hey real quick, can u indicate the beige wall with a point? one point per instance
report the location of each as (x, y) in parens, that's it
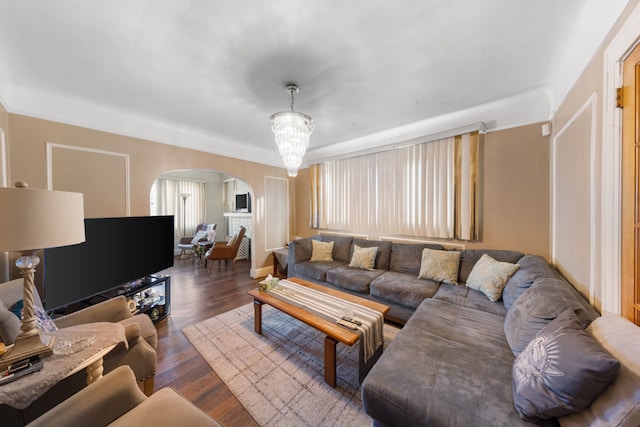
(147, 160)
(515, 188)
(578, 127)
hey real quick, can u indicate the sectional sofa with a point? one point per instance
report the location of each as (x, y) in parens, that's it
(462, 359)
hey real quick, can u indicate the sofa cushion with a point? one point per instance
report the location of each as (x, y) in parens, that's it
(540, 304)
(441, 266)
(469, 258)
(561, 370)
(489, 276)
(448, 366)
(467, 297)
(532, 267)
(619, 404)
(353, 279)
(341, 246)
(402, 288)
(316, 270)
(383, 256)
(321, 251)
(364, 258)
(406, 258)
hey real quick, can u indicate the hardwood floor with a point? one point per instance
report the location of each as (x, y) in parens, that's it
(196, 297)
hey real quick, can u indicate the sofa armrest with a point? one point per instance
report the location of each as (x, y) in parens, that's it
(98, 404)
(112, 310)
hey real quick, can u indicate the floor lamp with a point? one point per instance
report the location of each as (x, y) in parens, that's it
(184, 197)
(32, 220)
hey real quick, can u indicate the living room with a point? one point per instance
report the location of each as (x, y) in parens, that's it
(551, 183)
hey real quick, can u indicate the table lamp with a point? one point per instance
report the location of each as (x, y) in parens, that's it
(31, 220)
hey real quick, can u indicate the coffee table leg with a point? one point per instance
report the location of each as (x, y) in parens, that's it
(257, 316)
(330, 360)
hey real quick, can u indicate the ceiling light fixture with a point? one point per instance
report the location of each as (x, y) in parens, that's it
(292, 132)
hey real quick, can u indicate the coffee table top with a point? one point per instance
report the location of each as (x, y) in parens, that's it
(328, 327)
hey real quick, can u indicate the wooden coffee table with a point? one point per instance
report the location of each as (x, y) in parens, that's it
(335, 333)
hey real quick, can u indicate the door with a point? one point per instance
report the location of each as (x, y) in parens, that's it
(630, 221)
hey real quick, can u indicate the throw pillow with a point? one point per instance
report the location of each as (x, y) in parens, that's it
(321, 251)
(43, 321)
(490, 276)
(441, 266)
(202, 234)
(561, 371)
(363, 257)
(619, 404)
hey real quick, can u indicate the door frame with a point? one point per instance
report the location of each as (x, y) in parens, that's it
(610, 251)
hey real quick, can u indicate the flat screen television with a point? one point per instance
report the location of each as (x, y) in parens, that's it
(243, 202)
(116, 251)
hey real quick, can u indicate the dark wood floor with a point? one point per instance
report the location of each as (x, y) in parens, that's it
(196, 297)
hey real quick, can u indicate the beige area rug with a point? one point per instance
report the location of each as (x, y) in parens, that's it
(279, 376)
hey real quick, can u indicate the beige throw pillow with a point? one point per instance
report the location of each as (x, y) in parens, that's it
(490, 276)
(364, 258)
(441, 266)
(321, 251)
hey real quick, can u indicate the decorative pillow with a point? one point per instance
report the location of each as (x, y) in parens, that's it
(321, 251)
(619, 404)
(211, 235)
(44, 322)
(202, 234)
(561, 371)
(489, 276)
(441, 266)
(363, 257)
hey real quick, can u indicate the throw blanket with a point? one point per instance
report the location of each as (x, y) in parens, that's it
(334, 308)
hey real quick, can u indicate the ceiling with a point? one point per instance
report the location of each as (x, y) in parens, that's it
(208, 74)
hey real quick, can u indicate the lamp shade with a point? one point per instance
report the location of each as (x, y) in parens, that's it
(32, 219)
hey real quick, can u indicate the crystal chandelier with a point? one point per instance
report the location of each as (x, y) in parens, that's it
(292, 132)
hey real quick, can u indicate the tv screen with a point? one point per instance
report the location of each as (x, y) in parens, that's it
(243, 202)
(115, 251)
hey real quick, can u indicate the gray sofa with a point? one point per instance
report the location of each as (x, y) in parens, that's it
(451, 364)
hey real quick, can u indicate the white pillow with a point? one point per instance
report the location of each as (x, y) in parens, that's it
(490, 276)
(364, 258)
(619, 404)
(441, 266)
(199, 235)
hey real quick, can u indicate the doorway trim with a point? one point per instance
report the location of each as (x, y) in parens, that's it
(611, 210)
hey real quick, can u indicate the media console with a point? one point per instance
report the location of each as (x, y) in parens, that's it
(151, 296)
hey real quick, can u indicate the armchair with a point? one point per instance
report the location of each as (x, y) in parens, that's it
(139, 353)
(226, 251)
(204, 233)
(116, 401)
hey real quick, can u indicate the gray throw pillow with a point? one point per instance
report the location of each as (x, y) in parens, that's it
(539, 305)
(561, 371)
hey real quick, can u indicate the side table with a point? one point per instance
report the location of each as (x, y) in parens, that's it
(280, 262)
(23, 392)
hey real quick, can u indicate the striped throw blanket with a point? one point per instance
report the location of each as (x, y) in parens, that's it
(334, 308)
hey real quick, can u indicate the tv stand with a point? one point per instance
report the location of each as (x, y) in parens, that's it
(150, 295)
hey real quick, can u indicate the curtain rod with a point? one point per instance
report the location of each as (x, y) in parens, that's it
(461, 130)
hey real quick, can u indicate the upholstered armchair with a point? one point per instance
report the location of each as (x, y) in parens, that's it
(139, 353)
(226, 251)
(204, 233)
(116, 401)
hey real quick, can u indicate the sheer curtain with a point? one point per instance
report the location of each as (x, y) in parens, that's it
(428, 189)
(166, 200)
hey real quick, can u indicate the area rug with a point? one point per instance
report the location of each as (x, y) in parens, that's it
(279, 376)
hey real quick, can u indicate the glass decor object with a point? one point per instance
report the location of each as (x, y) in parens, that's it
(292, 131)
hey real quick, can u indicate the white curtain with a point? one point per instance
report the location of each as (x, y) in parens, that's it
(427, 189)
(166, 200)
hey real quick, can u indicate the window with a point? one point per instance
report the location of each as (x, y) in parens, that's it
(428, 189)
(166, 200)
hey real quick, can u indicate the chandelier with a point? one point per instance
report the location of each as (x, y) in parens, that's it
(292, 132)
